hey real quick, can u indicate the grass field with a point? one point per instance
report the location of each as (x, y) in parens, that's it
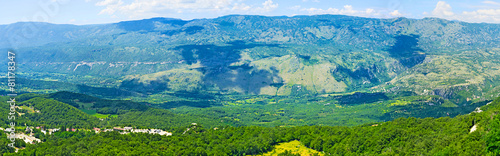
(87, 108)
(27, 108)
(293, 146)
(94, 113)
(85, 105)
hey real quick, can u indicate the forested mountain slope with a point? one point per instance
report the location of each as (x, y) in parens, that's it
(72, 110)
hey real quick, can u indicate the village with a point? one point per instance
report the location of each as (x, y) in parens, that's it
(29, 137)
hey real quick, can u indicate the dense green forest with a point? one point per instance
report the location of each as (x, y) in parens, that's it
(403, 136)
(85, 111)
(335, 110)
(82, 111)
(3, 143)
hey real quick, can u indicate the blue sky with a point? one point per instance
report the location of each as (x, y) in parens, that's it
(110, 11)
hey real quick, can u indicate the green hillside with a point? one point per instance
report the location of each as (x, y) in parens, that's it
(66, 109)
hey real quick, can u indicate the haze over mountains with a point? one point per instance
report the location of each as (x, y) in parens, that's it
(266, 55)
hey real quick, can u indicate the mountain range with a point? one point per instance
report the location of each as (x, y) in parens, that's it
(258, 55)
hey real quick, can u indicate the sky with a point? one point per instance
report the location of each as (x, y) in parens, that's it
(81, 12)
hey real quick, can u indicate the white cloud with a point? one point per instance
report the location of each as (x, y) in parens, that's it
(297, 7)
(481, 15)
(310, 0)
(267, 6)
(108, 2)
(146, 8)
(111, 6)
(241, 7)
(149, 8)
(349, 10)
(491, 2)
(370, 11)
(396, 13)
(444, 10)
